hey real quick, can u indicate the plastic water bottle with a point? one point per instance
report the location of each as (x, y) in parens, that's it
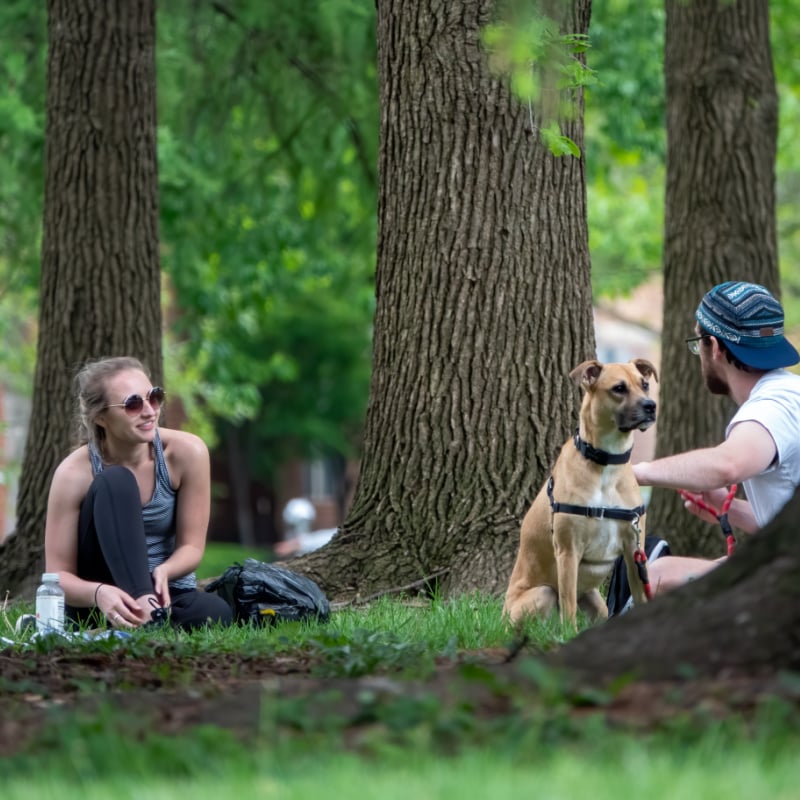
(50, 604)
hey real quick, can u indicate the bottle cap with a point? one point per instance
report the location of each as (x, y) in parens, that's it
(49, 576)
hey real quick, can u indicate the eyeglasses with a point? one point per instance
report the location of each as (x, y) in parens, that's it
(134, 403)
(694, 344)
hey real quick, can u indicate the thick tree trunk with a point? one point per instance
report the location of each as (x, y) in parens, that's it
(742, 617)
(720, 213)
(483, 307)
(100, 285)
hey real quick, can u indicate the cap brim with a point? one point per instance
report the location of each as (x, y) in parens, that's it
(781, 354)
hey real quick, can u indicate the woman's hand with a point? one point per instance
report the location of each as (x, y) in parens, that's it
(161, 585)
(118, 607)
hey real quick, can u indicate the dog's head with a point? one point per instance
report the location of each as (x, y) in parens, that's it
(617, 395)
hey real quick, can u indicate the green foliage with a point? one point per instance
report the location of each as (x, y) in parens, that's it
(624, 122)
(785, 31)
(267, 148)
(22, 70)
(267, 156)
(543, 67)
(626, 213)
(557, 143)
(626, 104)
(625, 144)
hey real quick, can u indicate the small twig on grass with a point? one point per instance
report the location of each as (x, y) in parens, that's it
(393, 590)
(5, 613)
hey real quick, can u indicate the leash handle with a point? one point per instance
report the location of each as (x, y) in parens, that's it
(640, 558)
(721, 515)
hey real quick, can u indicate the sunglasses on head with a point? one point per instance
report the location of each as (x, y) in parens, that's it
(134, 403)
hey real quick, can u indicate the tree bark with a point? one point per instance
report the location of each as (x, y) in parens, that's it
(483, 307)
(720, 214)
(240, 486)
(100, 283)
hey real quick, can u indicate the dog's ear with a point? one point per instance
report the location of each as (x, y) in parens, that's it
(645, 367)
(587, 373)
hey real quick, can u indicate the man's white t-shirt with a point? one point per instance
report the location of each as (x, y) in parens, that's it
(775, 404)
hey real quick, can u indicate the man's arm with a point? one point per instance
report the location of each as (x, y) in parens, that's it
(748, 451)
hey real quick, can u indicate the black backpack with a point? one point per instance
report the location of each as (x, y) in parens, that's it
(262, 593)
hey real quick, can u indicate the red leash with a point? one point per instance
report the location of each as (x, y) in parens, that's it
(640, 559)
(722, 516)
(641, 566)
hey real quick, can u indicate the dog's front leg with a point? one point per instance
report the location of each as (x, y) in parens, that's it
(567, 560)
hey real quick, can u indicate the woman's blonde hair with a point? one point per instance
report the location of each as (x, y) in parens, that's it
(92, 400)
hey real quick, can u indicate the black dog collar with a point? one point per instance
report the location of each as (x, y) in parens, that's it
(600, 457)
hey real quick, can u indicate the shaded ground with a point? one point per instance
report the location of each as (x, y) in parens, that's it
(244, 693)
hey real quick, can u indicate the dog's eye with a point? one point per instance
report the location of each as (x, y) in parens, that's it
(646, 386)
(620, 388)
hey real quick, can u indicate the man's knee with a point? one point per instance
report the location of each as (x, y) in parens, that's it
(671, 572)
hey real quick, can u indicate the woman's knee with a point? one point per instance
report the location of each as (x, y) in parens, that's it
(193, 609)
(115, 485)
(117, 479)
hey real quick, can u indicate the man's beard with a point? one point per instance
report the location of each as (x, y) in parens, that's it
(715, 384)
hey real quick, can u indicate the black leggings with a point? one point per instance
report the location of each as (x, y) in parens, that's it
(112, 548)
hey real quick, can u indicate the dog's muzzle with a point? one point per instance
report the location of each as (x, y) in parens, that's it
(640, 417)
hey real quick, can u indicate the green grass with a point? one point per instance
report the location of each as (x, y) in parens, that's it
(724, 762)
(220, 555)
(635, 773)
(388, 635)
(392, 746)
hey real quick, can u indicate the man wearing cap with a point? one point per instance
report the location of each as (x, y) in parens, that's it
(743, 352)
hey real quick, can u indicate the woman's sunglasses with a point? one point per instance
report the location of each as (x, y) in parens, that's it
(134, 403)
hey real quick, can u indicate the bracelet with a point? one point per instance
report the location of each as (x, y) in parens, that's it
(95, 594)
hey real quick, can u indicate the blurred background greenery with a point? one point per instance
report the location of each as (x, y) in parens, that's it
(268, 136)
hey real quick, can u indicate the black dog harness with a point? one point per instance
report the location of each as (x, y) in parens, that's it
(602, 458)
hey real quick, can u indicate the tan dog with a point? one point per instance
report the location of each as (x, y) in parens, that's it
(590, 510)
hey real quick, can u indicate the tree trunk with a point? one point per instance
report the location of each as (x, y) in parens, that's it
(240, 487)
(483, 308)
(741, 618)
(720, 213)
(100, 284)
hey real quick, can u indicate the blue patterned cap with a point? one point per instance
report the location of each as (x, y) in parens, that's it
(750, 321)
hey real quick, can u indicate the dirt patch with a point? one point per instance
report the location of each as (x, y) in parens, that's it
(235, 692)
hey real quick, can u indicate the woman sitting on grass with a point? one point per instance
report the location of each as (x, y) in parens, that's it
(128, 509)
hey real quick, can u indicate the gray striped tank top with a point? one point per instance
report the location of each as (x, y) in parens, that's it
(158, 515)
